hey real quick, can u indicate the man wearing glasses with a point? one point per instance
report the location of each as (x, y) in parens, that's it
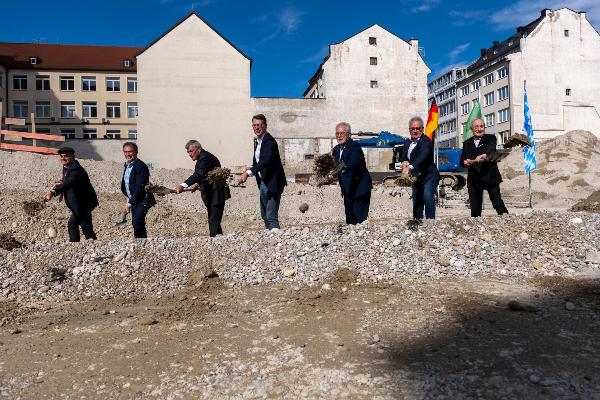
(79, 195)
(417, 160)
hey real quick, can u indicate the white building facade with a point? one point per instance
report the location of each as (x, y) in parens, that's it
(558, 55)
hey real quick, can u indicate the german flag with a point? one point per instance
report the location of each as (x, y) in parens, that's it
(432, 121)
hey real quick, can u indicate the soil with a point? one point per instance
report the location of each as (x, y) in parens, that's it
(417, 339)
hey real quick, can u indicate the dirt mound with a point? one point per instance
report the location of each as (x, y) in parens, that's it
(589, 204)
(32, 207)
(568, 169)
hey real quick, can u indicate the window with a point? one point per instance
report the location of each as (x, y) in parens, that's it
(504, 135)
(465, 108)
(488, 79)
(373, 60)
(113, 110)
(132, 110)
(132, 85)
(67, 109)
(89, 109)
(452, 107)
(489, 119)
(19, 82)
(476, 85)
(42, 109)
(113, 84)
(464, 90)
(132, 134)
(90, 133)
(42, 82)
(502, 73)
(88, 83)
(20, 109)
(488, 99)
(374, 85)
(503, 115)
(126, 63)
(45, 131)
(67, 83)
(113, 134)
(373, 41)
(503, 93)
(568, 92)
(566, 33)
(68, 133)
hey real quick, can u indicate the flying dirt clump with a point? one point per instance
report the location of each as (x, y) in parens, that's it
(32, 207)
(517, 139)
(7, 242)
(219, 176)
(405, 180)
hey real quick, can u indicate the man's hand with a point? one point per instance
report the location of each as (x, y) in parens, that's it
(48, 196)
(246, 168)
(56, 184)
(194, 187)
(179, 189)
(244, 177)
(480, 158)
(468, 162)
(126, 209)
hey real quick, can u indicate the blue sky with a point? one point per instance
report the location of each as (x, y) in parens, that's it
(286, 39)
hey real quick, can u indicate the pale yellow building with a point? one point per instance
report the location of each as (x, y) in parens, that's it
(78, 91)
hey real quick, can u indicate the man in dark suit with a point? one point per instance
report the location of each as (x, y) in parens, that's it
(79, 195)
(417, 160)
(482, 174)
(268, 169)
(135, 176)
(213, 196)
(355, 180)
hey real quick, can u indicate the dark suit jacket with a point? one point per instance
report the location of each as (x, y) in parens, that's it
(78, 192)
(421, 159)
(270, 165)
(355, 180)
(212, 195)
(484, 172)
(140, 175)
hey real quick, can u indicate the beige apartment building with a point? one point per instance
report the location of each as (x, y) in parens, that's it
(80, 92)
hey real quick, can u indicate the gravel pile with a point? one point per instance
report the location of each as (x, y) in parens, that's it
(537, 243)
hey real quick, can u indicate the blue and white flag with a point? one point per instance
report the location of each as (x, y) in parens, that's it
(529, 151)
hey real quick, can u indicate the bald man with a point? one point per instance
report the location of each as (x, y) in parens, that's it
(483, 174)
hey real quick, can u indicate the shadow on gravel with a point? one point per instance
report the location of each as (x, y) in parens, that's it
(481, 349)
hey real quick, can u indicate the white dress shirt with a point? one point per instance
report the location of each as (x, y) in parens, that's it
(257, 154)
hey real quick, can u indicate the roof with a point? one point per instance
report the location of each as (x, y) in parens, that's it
(67, 57)
(318, 72)
(500, 49)
(193, 13)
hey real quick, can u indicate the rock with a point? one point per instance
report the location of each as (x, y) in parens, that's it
(569, 306)
(576, 220)
(593, 256)
(326, 286)
(289, 272)
(51, 233)
(303, 208)
(443, 261)
(14, 224)
(523, 236)
(396, 242)
(515, 305)
(120, 256)
(148, 320)
(534, 379)
(537, 265)
(486, 237)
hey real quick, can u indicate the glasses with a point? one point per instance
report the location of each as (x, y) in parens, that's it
(415, 129)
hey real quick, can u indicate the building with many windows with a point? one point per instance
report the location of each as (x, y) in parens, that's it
(443, 89)
(73, 90)
(558, 55)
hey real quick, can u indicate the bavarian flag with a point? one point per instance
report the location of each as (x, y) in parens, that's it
(432, 121)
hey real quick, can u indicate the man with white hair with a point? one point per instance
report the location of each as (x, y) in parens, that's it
(355, 180)
(213, 196)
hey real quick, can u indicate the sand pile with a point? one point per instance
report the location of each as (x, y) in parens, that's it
(568, 169)
(589, 204)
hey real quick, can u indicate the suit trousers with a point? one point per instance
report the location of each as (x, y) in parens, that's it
(138, 220)
(357, 209)
(476, 189)
(269, 207)
(85, 222)
(215, 215)
(423, 196)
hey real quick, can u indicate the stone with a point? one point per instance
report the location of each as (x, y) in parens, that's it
(303, 208)
(148, 320)
(120, 256)
(443, 261)
(14, 224)
(576, 220)
(534, 379)
(593, 256)
(51, 233)
(515, 305)
(289, 272)
(523, 236)
(326, 286)
(537, 265)
(569, 306)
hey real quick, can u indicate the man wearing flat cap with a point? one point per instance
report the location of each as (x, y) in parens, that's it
(79, 195)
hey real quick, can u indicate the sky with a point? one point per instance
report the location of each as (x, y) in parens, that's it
(287, 40)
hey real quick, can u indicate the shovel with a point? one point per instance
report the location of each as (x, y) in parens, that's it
(123, 220)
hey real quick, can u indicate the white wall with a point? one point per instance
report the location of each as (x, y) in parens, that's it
(194, 85)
